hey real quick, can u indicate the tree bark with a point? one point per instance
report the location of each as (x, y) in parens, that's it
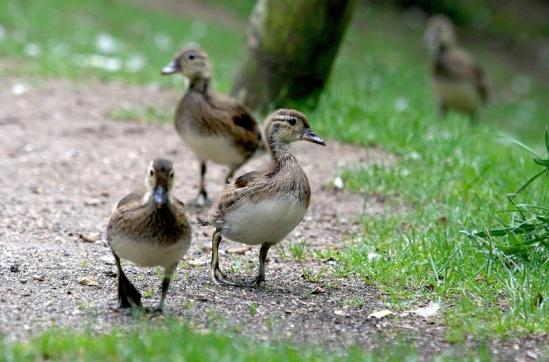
(291, 47)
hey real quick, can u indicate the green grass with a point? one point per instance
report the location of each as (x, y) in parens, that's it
(452, 179)
(59, 38)
(176, 341)
(173, 341)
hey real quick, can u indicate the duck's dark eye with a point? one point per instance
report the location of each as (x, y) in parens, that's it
(171, 174)
(151, 172)
(190, 57)
(292, 121)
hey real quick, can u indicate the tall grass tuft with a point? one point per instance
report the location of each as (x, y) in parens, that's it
(526, 233)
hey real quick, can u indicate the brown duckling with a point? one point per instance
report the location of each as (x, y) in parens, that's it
(263, 207)
(149, 229)
(459, 82)
(214, 126)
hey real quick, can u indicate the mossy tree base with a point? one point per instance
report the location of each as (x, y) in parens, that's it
(291, 47)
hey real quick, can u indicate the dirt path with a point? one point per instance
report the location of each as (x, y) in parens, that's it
(63, 165)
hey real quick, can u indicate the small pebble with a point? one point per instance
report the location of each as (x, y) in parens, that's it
(88, 281)
(88, 238)
(107, 259)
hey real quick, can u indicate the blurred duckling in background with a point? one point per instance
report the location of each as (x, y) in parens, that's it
(459, 82)
(261, 208)
(149, 229)
(214, 126)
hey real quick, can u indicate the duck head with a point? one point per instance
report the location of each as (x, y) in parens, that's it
(159, 181)
(285, 126)
(439, 32)
(192, 62)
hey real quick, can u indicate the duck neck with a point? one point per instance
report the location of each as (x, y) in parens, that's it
(278, 149)
(200, 84)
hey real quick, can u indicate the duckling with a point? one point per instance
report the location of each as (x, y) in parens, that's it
(262, 207)
(459, 82)
(149, 229)
(214, 126)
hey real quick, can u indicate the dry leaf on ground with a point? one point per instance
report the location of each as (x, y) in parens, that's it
(380, 314)
(88, 281)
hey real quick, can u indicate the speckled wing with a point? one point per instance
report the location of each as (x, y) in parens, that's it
(128, 201)
(233, 192)
(238, 121)
(134, 197)
(178, 208)
(179, 212)
(244, 180)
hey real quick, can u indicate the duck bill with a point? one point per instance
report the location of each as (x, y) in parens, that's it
(160, 196)
(171, 68)
(309, 135)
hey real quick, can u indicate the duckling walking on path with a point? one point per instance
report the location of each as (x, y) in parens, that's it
(459, 82)
(263, 207)
(214, 126)
(149, 229)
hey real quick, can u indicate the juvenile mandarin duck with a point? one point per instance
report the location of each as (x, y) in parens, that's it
(149, 229)
(459, 82)
(214, 126)
(262, 207)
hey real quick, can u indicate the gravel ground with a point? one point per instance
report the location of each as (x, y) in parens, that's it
(64, 165)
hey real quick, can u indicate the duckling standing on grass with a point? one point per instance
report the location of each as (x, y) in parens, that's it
(459, 82)
(214, 126)
(149, 229)
(263, 207)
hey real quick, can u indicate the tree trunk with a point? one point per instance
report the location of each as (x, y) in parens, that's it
(291, 47)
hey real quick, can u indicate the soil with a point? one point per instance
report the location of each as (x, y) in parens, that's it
(63, 166)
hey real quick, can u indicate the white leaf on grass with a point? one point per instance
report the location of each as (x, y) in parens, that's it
(33, 50)
(110, 64)
(430, 310)
(338, 183)
(135, 63)
(105, 43)
(380, 314)
(413, 155)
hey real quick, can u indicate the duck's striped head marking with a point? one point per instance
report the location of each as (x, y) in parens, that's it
(287, 125)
